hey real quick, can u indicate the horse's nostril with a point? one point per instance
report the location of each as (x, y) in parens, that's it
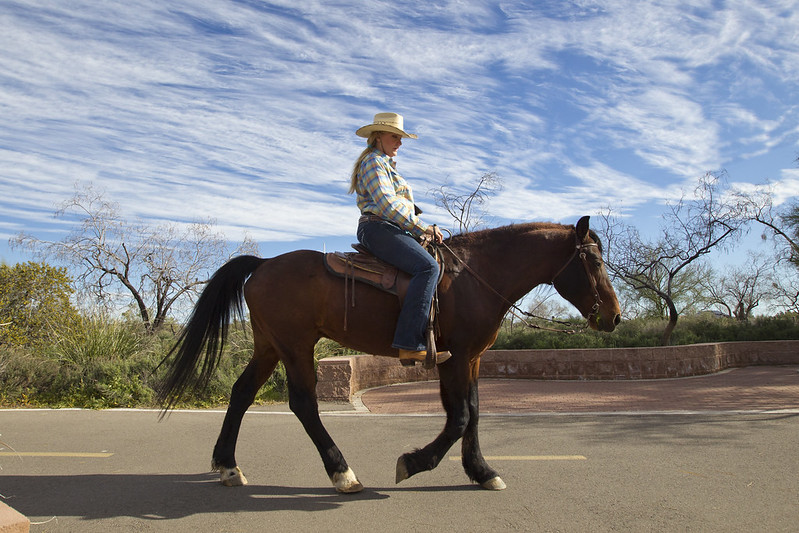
(617, 320)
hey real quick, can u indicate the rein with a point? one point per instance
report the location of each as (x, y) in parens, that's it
(516, 311)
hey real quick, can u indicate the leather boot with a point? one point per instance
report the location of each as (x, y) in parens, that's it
(409, 357)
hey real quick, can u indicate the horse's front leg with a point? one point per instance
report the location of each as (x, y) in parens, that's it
(471, 457)
(454, 396)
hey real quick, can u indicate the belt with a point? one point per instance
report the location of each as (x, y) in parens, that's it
(370, 217)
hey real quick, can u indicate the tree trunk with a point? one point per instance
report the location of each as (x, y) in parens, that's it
(665, 340)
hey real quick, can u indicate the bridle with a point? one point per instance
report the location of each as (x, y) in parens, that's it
(579, 249)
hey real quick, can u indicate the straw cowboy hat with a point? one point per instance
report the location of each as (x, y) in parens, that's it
(391, 122)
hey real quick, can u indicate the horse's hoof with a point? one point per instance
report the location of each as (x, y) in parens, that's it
(232, 477)
(346, 482)
(494, 483)
(402, 470)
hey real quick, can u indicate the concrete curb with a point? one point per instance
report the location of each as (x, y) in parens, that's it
(12, 521)
(339, 378)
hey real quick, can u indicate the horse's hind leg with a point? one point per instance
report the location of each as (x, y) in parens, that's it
(243, 394)
(301, 377)
(471, 457)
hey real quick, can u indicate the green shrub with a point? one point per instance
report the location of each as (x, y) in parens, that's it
(330, 348)
(237, 354)
(103, 363)
(647, 332)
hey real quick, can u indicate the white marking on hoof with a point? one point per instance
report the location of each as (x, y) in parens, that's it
(232, 477)
(402, 470)
(495, 483)
(346, 482)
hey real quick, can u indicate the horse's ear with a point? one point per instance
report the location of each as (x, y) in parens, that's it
(582, 228)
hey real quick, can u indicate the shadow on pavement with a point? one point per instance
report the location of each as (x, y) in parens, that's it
(160, 497)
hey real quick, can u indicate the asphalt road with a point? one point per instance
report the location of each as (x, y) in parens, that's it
(107, 471)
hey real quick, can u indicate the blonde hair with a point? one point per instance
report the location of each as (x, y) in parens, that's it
(370, 144)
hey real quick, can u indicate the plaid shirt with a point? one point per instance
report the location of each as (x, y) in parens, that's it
(383, 192)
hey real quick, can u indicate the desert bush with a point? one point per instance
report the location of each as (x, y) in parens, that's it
(330, 348)
(94, 363)
(101, 363)
(640, 332)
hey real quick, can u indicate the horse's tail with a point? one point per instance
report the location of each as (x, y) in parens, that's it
(206, 331)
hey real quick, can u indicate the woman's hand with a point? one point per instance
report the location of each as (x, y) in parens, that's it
(434, 234)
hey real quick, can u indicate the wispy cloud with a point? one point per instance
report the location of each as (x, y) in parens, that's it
(244, 111)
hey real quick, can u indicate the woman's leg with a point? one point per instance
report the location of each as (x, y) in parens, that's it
(395, 246)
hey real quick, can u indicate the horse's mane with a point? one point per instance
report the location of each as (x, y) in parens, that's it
(504, 233)
(501, 233)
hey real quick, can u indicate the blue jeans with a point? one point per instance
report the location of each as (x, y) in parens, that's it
(395, 246)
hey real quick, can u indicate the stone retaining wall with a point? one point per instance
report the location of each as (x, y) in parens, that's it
(341, 377)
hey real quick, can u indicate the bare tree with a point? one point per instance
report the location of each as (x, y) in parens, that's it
(467, 209)
(781, 225)
(691, 229)
(784, 287)
(545, 302)
(787, 295)
(153, 265)
(742, 288)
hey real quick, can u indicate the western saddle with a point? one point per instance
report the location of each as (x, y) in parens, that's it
(362, 266)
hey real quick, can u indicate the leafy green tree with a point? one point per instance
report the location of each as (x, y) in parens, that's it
(34, 301)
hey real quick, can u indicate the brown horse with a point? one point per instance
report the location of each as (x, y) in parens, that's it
(294, 301)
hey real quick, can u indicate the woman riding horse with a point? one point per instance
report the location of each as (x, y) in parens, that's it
(390, 228)
(294, 301)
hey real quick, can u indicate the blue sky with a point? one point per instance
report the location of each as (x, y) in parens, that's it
(245, 111)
